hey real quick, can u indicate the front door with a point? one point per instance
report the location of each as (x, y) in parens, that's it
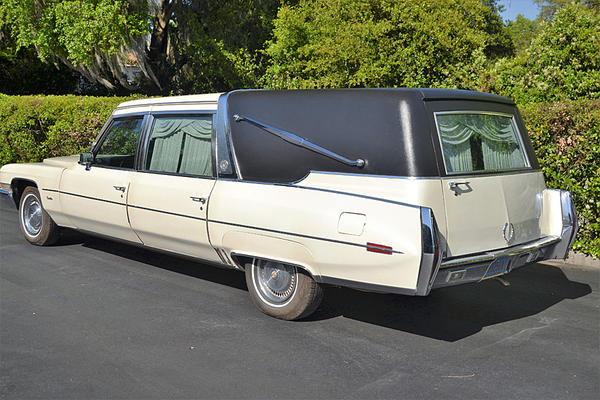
(169, 196)
(491, 195)
(95, 197)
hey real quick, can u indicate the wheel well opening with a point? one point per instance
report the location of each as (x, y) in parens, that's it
(242, 260)
(18, 186)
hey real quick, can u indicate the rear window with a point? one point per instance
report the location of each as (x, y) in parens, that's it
(479, 142)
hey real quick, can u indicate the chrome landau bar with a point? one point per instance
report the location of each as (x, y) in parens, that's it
(298, 141)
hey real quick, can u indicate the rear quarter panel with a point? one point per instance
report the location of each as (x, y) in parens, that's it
(301, 224)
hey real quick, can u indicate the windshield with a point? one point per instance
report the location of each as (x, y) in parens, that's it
(479, 142)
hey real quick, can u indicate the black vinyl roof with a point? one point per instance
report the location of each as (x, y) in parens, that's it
(392, 129)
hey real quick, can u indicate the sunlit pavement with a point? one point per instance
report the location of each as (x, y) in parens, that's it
(90, 318)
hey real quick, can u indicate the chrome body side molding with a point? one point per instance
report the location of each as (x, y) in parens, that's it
(298, 141)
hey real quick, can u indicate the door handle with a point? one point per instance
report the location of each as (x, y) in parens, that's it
(455, 186)
(120, 188)
(198, 199)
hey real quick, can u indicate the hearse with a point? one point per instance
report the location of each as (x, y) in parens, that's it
(386, 190)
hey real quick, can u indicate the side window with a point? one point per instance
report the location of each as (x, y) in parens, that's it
(119, 143)
(181, 145)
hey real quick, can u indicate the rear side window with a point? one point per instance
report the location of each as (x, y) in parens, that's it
(181, 145)
(479, 142)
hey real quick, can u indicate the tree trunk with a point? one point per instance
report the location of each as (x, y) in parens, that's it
(157, 52)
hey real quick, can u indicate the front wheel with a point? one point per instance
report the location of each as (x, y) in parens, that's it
(281, 290)
(36, 225)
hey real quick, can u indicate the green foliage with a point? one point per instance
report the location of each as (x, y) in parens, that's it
(217, 45)
(36, 127)
(562, 62)
(375, 43)
(522, 31)
(549, 7)
(74, 30)
(566, 138)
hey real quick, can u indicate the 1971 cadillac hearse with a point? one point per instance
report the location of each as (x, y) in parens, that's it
(387, 190)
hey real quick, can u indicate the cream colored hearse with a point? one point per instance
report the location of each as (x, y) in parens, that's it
(388, 190)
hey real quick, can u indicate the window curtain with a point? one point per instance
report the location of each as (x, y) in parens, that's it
(197, 156)
(185, 139)
(499, 144)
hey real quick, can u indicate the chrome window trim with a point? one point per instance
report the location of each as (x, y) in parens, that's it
(97, 143)
(492, 113)
(173, 103)
(229, 139)
(316, 172)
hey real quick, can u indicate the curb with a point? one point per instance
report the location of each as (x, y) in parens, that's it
(578, 259)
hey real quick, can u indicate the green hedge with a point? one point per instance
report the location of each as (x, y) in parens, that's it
(566, 137)
(36, 127)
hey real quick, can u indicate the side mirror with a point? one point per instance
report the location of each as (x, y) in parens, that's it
(86, 159)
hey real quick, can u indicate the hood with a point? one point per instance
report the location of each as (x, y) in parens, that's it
(64, 162)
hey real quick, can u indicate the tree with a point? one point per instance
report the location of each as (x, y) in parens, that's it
(171, 41)
(549, 7)
(89, 36)
(345, 43)
(522, 31)
(22, 72)
(562, 61)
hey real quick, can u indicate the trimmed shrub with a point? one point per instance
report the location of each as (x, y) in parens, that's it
(36, 127)
(566, 138)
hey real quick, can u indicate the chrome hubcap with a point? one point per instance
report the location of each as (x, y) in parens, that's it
(276, 282)
(31, 215)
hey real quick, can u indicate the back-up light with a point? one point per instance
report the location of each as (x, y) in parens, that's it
(379, 248)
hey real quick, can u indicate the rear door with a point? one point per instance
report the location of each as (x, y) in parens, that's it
(169, 194)
(490, 189)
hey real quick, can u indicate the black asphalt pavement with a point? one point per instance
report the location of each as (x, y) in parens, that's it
(90, 319)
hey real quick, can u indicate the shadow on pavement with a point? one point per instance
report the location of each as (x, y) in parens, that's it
(181, 265)
(454, 313)
(447, 314)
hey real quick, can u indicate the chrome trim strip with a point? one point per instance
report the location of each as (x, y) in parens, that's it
(291, 185)
(173, 103)
(298, 141)
(166, 212)
(86, 197)
(491, 255)
(295, 234)
(367, 176)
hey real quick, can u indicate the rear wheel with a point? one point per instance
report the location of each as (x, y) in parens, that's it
(36, 225)
(281, 290)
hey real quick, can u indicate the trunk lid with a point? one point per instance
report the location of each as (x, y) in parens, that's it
(492, 212)
(491, 192)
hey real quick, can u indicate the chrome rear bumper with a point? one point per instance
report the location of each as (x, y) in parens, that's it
(473, 268)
